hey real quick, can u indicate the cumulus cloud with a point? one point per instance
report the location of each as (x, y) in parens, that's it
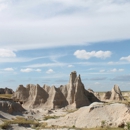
(120, 70)
(83, 54)
(96, 83)
(116, 70)
(6, 53)
(26, 70)
(30, 70)
(50, 71)
(8, 69)
(126, 58)
(38, 70)
(70, 66)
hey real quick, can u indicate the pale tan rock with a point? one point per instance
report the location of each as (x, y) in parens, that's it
(116, 93)
(112, 114)
(46, 88)
(71, 95)
(56, 99)
(10, 107)
(113, 95)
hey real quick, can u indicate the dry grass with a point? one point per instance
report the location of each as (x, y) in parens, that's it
(71, 110)
(20, 121)
(50, 117)
(103, 129)
(6, 96)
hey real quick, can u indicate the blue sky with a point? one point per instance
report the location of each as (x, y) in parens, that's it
(43, 41)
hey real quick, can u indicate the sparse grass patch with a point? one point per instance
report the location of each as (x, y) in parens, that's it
(20, 121)
(5, 125)
(72, 110)
(102, 129)
(6, 96)
(50, 117)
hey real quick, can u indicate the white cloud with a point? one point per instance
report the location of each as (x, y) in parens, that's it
(41, 28)
(38, 70)
(116, 70)
(50, 71)
(30, 70)
(101, 71)
(120, 70)
(70, 66)
(8, 69)
(2, 6)
(96, 83)
(26, 70)
(82, 54)
(6, 53)
(126, 58)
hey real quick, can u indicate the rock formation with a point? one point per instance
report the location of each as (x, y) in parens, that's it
(10, 107)
(114, 94)
(72, 95)
(95, 93)
(6, 91)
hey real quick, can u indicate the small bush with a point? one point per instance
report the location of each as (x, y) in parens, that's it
(20, 121)
(50, 117)
(103, 123)
(128, 126)
(5, 125)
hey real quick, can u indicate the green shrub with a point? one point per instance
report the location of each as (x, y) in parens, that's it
(5, 125)
(128, 125)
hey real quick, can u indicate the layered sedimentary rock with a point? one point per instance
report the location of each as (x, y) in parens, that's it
(6, 91)
(114, 94)
(10, 107)
(95, 93)
(73, 94)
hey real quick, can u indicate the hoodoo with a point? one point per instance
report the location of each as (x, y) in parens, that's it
(114, 94)
(72, 94)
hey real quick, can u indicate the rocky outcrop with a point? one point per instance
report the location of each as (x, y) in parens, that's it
(92, 116)
(96, 94)
(6, 91)
(107, 95)
(10, 107)
(114, 94)
(72, 95)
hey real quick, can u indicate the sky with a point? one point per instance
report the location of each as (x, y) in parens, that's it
(43, 41)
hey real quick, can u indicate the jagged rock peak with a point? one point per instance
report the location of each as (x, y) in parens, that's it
(72, 94)
(73, 76)
(114, 94)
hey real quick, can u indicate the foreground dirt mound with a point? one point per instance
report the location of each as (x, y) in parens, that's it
(72, 95)
(10, 107)
(92, 116)
(114, 94)
(6, 91)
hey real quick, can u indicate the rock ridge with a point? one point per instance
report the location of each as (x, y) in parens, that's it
(71, 95)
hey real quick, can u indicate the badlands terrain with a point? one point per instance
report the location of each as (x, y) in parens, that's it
(70, 106)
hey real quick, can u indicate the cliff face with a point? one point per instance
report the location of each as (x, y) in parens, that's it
(72, 95)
